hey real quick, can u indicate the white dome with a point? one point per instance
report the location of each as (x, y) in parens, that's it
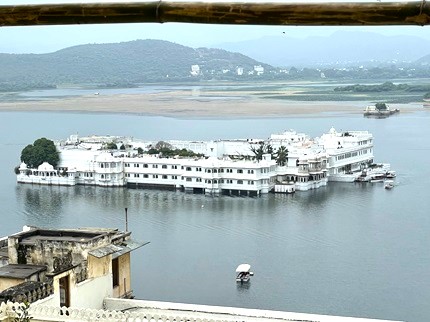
(22, 166)
(45, 166)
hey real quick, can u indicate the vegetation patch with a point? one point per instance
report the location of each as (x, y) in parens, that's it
(166, 150)
(385, 87)
(42, 150)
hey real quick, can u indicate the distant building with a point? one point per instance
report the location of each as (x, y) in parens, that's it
(195, 70)
(259, 70)
(379, 110)
(239, 71)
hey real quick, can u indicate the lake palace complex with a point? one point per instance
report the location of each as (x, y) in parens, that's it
(225, 167)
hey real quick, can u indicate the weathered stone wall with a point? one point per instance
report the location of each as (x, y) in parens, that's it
(99, 266)
(5, 283)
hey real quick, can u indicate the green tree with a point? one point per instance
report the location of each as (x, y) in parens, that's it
(139, 150)
(262, 149)
(258, 151)
(160, 145)
(111, 146)
(42, 150)
(282, 156)
(381, 106)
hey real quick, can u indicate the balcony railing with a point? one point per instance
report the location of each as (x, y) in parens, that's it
(27, 292)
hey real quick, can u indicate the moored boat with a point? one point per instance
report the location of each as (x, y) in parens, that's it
(377, 178)
(390, 174)
(389, 184)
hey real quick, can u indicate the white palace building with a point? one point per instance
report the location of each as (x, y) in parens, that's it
(228, 166)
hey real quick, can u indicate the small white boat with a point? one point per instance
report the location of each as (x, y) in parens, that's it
(389, 184)
(391, 174)
(243, 273)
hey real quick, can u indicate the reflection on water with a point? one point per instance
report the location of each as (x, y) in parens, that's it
(345, 249)
(243, 287)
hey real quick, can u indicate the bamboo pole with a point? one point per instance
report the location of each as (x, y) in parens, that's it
(238, 13)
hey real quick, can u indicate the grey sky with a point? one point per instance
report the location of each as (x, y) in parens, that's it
(41, 39)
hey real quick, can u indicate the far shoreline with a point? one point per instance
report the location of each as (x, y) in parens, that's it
(179, 105)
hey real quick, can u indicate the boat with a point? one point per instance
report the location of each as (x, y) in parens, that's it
(377, 178)
(243, 273)
(390, 174)
(389, 184)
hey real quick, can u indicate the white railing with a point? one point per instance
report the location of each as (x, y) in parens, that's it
(147, 311)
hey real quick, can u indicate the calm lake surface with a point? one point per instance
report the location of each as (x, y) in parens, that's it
(346, 249)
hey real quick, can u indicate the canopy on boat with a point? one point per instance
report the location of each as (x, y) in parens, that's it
(243, 268)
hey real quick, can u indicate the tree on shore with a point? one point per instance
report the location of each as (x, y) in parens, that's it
(42, 150)
(381, 106)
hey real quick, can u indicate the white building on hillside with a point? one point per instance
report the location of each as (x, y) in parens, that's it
(259, 70)
(195, 70)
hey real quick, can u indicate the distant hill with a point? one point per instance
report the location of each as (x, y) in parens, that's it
(423, 61)
(342, 48)
(120, 64)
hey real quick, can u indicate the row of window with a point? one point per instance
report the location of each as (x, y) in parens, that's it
(86, 174)
(198, 169)
(228, 181)
(364, 142)
(155, 176)
(352, 154)
(108, 164)
(109, 176)
(269, 169)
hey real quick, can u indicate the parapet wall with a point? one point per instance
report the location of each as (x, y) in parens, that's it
(148, 311)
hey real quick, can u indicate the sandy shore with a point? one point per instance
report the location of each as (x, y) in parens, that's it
(182, 104)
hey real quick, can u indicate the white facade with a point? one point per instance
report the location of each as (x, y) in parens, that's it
(227, 168)
(195, 70)
(45, 174)
(211, 175)
(348, 152)
(259, 69)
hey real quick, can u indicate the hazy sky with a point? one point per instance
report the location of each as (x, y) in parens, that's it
(41, 39)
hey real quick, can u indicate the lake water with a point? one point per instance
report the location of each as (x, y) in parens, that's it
(346, 249)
